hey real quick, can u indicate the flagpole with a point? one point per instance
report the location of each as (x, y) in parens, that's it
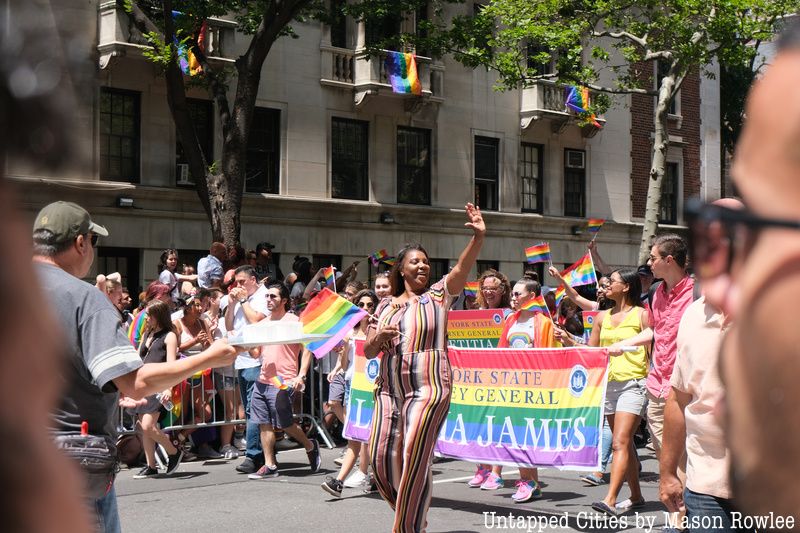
(596, 281)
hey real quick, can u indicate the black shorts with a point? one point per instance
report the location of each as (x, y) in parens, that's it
(271, 406)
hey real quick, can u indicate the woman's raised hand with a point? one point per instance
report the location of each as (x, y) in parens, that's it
(475, 220)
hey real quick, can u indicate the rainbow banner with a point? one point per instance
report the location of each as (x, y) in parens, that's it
(475, 328)
(330, 314)
(471, 288)
(329, 274)
(539, 253)
(401, 69)
(588, 323)
(577, 99)
(532, 407)
(358, 420)
(137, 327)
(536, 304)
(581, 272)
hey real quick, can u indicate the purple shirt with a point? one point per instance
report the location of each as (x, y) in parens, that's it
(665, 317)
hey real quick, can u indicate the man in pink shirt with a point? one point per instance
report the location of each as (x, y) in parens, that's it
(673, 296)
(271, 402)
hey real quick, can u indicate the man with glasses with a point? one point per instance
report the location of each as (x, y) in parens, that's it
(101, 360)
(749, 264)
(246, 303)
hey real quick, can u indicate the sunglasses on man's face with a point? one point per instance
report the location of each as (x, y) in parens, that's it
(718, 234)
(365, 304)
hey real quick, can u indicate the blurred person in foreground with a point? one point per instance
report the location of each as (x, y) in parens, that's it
(754, 285)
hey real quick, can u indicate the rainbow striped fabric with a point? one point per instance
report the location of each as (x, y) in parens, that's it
(538, 253)
(577, 99)
(378, 256)
(329, 274)
(137, 327)
(581, 272)
(187, 61)
(401, 69)
(536, 304)
(278, 382)
(560, 293)
(595, 224)
(471, 288)
(328, 313)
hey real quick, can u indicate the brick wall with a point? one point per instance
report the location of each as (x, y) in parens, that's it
(642, 129)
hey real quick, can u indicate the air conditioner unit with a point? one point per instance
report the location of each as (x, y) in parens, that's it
(182, 174)
(575, 159)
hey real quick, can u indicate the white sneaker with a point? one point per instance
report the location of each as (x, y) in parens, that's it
(240, 443)
(229, 452)
(355, 480)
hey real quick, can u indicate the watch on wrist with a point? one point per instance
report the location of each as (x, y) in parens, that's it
(242, 301)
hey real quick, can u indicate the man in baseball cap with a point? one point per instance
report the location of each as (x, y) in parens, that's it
(66, 220)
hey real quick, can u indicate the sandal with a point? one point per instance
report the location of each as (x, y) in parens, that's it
(602, 507)
(593, 479)
(628, 505)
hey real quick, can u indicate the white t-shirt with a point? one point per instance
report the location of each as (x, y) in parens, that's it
(522, 334)
(258, 301)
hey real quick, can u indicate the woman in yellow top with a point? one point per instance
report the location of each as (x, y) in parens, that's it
(625, 394)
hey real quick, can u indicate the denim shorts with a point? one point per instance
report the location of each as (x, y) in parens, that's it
(336, 389)
(271, 406)
(626, 396)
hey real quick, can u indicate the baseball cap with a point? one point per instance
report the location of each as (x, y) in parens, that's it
(644, 270)
(66, 221)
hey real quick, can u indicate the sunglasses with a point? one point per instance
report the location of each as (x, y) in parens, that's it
(518, 295)
(365, 304)
(718, 234)
(273, 296)
(93, 237)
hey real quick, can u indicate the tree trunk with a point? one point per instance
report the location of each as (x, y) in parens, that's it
(658, 165)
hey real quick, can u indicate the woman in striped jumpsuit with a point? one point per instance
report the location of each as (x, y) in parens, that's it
(412, 392)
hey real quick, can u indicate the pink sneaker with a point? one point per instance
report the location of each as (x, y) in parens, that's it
(493, 482)
(526, 491)
(480, 476)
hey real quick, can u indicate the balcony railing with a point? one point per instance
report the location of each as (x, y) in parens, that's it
(118, 36)
(342, 67)
(545, 100)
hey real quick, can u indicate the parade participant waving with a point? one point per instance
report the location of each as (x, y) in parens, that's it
(412, 394)
(625, 394)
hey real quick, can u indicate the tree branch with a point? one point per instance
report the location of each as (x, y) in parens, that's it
(610, 90)
(217, 87)
(621, 35)
(139, 18)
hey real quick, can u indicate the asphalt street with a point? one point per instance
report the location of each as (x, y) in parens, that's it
(212, 496)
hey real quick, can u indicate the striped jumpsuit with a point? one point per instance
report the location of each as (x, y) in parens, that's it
(412, 397)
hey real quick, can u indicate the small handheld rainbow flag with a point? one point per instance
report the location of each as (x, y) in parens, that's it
(329, 275)
(581, 272)
(560, 293)
(538, 253)
(536, 304)
(595, 224)
(401, 69)
(390, 261)
(471, 288)
(278, 382)
(137, 327)
(330, 314)
(577, 99)
(378, 256)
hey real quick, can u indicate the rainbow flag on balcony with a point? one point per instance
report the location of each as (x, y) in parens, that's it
(401, 69)
(577, 99)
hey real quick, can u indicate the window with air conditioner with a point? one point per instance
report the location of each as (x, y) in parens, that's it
(201, 115)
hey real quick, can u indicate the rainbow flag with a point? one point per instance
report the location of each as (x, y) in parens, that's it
(560, 293)
(577, 99)
(137, 327)
(471, 288)
(536, 304)
(329, 275)
(278, 382)
(378, 256)
(390, 261)
(328, 313)
(401, 69)
(595, 224)
(581, 272)
(538, 253)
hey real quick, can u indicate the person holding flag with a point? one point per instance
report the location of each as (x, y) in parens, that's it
(530, 326)
(625, 395)
(412, 394)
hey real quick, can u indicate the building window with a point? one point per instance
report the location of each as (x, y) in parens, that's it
(662, 69)
(574, 183)
(123, 260)
(119, 135)
(381, 28)
(413, 166)
(540, 68)
(487, 176)
(263, 152)
(338, 24)
(536, 267)
(483, 266)
(349, 159)
(668, 211)
(531, 169)
(200, 113)
(439, 267)
(322, 260)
